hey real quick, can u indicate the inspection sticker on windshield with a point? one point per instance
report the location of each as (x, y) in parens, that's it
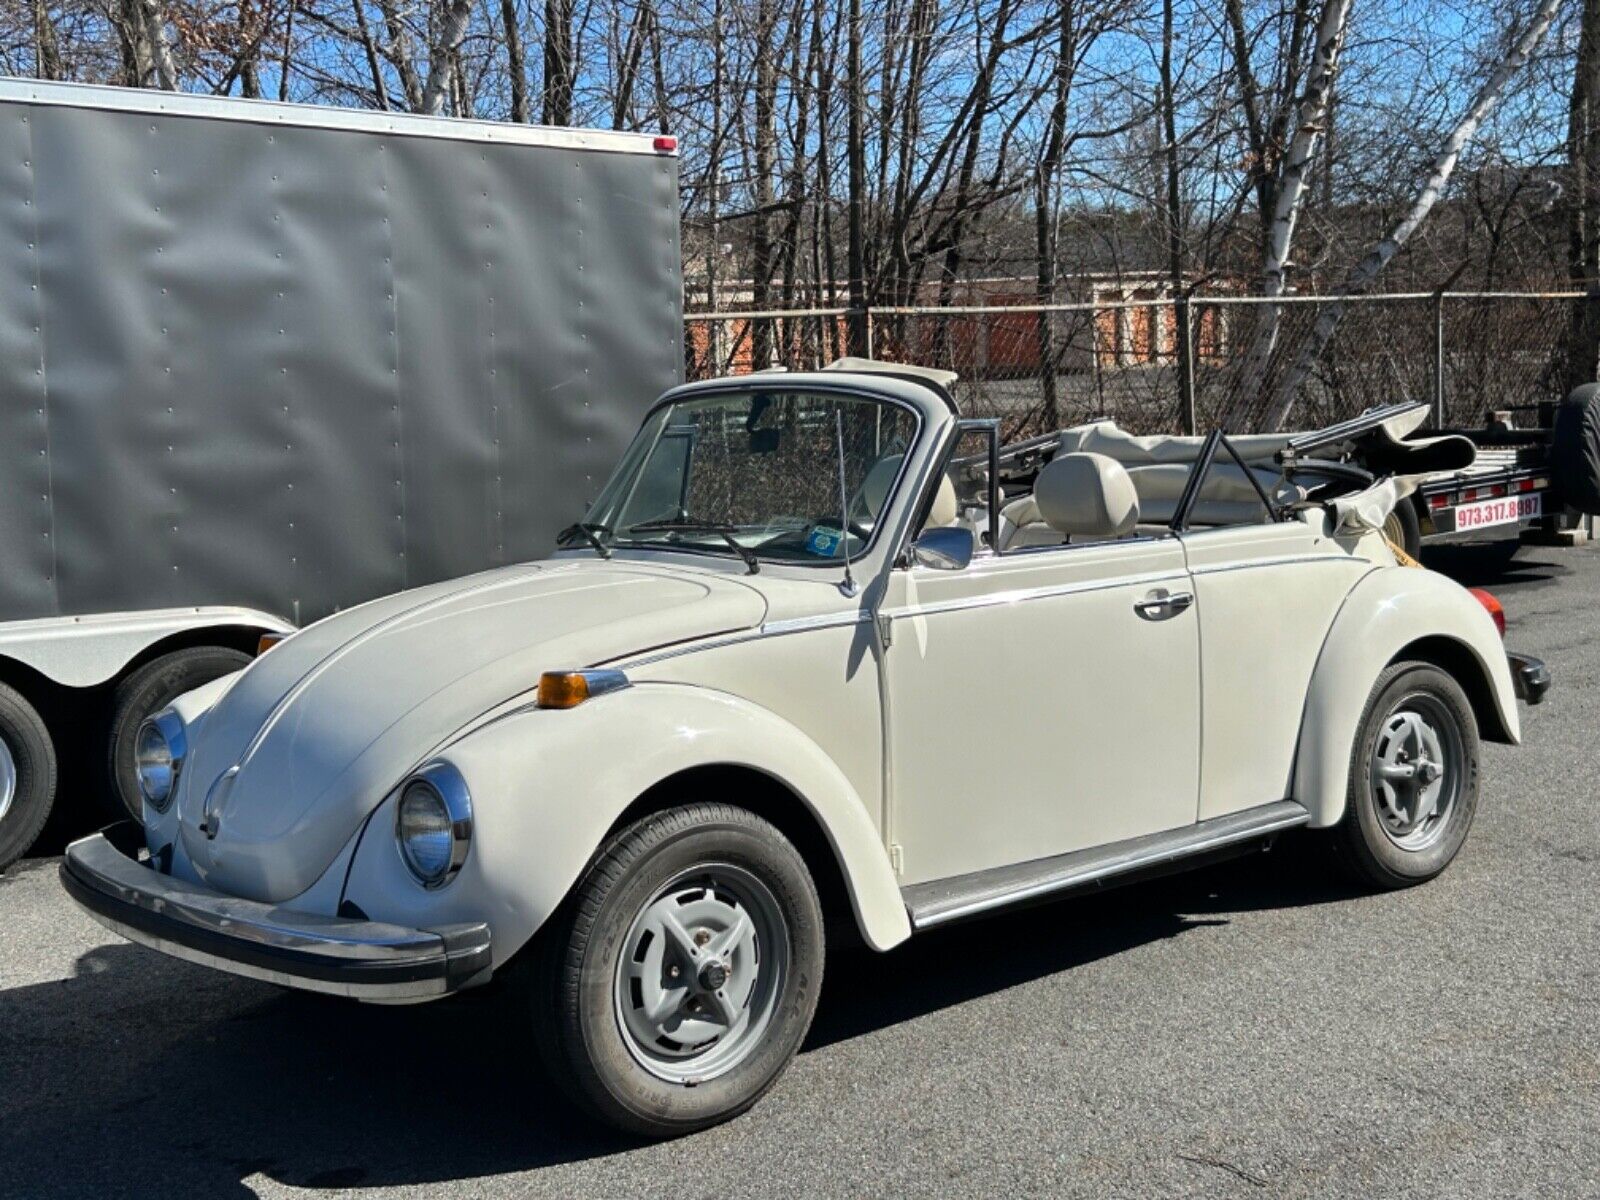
(1499, 512)
(824, 542)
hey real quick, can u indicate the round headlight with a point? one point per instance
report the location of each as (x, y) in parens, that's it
(434, 826)
(158, 751)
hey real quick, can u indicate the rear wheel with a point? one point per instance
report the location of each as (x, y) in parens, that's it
(1413, 784)
(146, 692)
(27, 776)
(680, 977)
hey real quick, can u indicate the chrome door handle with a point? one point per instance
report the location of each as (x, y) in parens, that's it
(1160, 604)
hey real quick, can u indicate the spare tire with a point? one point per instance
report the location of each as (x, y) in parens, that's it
(1575, 450)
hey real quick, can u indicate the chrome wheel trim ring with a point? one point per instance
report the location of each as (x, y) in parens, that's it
(1416, 771)
(8, 778)
(700, 973)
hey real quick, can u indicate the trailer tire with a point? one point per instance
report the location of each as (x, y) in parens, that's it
(27, 776)
(146, 692)
(1403, 529)
(1575, 450)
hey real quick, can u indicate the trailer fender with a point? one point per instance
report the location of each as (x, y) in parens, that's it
(1394, 612)
(548, 786)
(89, 650)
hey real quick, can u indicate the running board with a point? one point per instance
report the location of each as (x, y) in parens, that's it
(945, 900)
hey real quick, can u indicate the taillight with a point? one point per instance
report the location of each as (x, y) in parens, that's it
(1497, 614)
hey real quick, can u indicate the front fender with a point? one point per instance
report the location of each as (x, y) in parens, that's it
(547, 785)
(1390, 609)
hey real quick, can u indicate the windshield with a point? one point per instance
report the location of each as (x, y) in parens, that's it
(758, 474)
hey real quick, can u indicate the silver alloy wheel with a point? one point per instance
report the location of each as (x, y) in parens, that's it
(8, 778)
(1416, 771)
(701, 973)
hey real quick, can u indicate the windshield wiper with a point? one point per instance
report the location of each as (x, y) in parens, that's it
(589, 532)
(688, 525)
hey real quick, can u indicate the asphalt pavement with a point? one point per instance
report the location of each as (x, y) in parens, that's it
(1260, 1028)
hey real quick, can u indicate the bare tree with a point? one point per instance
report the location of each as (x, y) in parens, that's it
(1366, 272)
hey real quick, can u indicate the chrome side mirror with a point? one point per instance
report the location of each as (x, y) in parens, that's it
(944, 549)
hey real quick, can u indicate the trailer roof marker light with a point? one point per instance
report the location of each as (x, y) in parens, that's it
(666, 144)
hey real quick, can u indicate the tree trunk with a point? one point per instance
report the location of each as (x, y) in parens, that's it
(442, 55)
(380, 89)
(399, 54)
(856, 153)
(1173, 220)
(46, 47)
(1044, 203)
(558, 65)
(154, 19)
(1366, 272)
(766, 135)
(516, 62)
(1288, 191)
(1583, 219)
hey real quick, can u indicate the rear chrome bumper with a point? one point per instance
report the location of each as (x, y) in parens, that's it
(367, 960)
(1529, 676)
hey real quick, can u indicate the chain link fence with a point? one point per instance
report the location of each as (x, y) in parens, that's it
(1040, 368)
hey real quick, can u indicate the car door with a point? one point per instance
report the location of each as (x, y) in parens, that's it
(1039, 702)
(1266, 596)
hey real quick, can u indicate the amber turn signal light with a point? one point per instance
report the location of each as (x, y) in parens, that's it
(568, 689)
(267, 641)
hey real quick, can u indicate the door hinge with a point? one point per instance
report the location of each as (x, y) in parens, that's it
(885, 634)
(897, 858)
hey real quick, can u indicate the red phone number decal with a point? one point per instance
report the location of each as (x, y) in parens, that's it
(1499, 512)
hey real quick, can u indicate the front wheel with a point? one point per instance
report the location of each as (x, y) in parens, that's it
(681, 975)
(1413, 784)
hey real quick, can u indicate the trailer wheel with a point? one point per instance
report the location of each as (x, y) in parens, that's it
(1575, 449)
(1403, 529)
(27, 776)
(146, 692)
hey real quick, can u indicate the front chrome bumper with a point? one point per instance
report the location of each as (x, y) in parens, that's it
(367, 960)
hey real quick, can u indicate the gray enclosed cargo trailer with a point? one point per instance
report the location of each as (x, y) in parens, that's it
(259, 362)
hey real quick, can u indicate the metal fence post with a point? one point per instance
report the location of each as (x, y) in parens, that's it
(866, 319)
(1185, 331)
(1438, 360)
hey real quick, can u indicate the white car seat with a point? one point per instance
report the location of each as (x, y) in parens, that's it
(1077, 498)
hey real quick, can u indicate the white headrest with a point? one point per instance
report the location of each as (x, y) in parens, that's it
(1086, 495)
(875, 487)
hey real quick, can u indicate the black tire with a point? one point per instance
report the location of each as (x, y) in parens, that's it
(145, 692)
(574, 1001)
(1403, 529)
(1575, 449)
(30, 778)
(1376, 849)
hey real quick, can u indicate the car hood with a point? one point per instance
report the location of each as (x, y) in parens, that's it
(316, 732)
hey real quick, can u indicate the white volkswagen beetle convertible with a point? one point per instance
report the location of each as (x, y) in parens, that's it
(813, 665)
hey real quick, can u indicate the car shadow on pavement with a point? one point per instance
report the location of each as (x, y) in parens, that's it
(146, 1076)
(915, 979)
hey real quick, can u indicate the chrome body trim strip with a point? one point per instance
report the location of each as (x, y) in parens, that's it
(935, 903)
(770, 629)
(1043, 592)
(1286, 560)
(368, 960)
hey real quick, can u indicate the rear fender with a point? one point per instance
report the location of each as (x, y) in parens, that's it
(1391, 609)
